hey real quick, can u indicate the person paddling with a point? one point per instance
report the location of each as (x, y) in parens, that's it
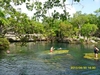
(51, 49)
(8, 51)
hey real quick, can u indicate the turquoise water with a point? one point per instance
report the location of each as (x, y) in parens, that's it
(31, 60)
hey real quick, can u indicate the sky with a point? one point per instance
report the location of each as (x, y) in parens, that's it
(86, 6)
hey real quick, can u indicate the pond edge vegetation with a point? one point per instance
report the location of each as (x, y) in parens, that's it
(57, 27)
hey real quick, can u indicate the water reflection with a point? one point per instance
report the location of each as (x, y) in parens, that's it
(31, 60)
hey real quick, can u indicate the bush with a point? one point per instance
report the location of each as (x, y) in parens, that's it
(81, 40)
(4, 44)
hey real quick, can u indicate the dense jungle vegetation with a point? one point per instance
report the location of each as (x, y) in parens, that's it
(56, 26)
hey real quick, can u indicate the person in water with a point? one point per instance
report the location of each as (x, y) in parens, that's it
(51, 49)
(8, 51)
(96, 51)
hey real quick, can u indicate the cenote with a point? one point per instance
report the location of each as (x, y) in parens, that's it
(35, 59)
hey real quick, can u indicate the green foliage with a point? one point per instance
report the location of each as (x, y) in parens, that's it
(38, 27)
(79, 19)
(52, 26)
(77, 0)
(88, 29)
(97, 13)
(92, 18)
(75, 31)
(3, 23)
(65, 29)
(2, 14)
(4, 44)
(81, 40)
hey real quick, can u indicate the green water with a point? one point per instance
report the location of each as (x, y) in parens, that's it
(31, 60)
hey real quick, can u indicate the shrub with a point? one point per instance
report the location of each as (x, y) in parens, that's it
(81, 40)
(4, 44)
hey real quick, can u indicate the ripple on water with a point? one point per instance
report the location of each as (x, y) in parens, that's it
(23, 66)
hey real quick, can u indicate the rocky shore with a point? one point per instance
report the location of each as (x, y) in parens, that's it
(40, 37)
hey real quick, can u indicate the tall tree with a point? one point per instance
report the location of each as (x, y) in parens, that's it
(3, 23)
(92, 18)
(97, 12)
(79, 20)
(65, 29)
(88, 30)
